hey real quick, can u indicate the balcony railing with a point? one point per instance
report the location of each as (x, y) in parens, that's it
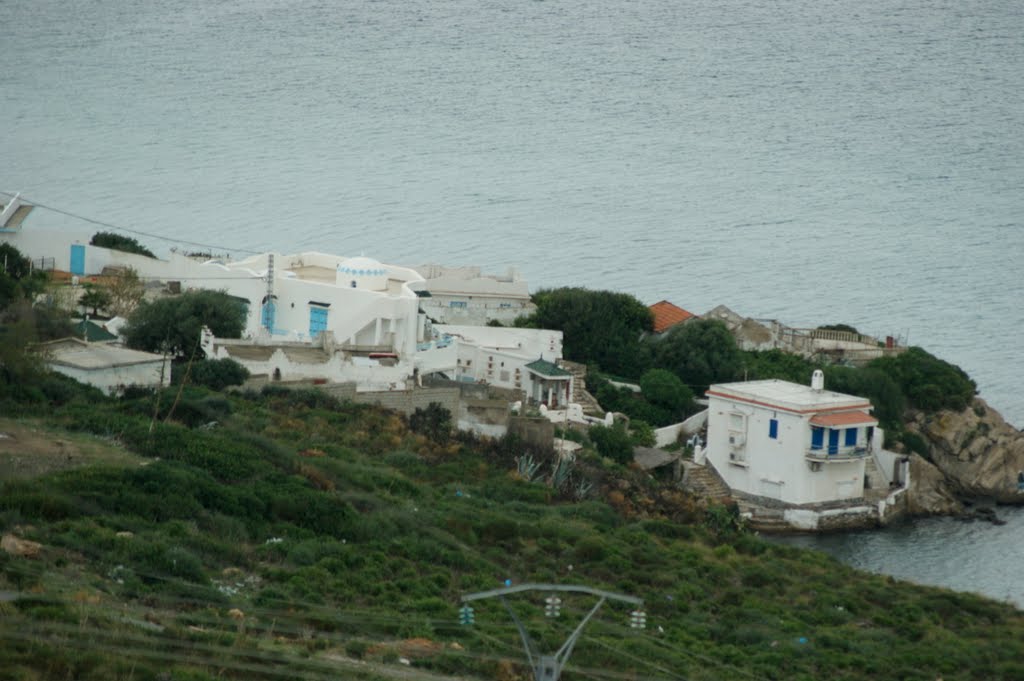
(842, 454)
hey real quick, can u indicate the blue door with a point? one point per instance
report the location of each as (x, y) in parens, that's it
(833, 441)
(817, 437)
(269, 313)
(317, 321)
(77, 259)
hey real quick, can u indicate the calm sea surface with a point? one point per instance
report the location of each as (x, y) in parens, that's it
(814, 162)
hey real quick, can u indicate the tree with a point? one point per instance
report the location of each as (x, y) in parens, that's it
(117, 242)
(598, 327)
(95, 298)
(664, 389)
(928, 382)
(174, 324)
(13, 263)
(700, 352)
(126, 291)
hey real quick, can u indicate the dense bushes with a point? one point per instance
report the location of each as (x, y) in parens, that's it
(118, 242)
(599, 327)
(215, 374)
(928, 382)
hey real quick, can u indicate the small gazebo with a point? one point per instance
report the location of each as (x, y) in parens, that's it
(550, 384)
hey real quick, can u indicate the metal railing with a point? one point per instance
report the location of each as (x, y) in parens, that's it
(836, 455)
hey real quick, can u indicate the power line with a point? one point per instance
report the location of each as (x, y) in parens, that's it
(108, 225)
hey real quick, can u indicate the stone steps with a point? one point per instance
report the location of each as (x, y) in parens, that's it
(579, 388)
(705, 482)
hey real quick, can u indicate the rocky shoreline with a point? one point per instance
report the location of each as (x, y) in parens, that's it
(973, 463)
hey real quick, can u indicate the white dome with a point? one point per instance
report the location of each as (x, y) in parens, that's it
(362, 267)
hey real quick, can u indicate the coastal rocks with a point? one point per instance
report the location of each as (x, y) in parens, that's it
(930, 492)
(978, 454)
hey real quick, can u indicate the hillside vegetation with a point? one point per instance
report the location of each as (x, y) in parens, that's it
(284, 535)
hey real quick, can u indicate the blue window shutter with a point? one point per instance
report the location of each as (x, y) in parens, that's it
(817, 437)
(851, 437)
(773, 429)
(833, 441)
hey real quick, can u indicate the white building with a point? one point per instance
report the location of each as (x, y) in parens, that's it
(788, 442)
(520, 359)
(361, 302)
(111, 368)
(462, 295)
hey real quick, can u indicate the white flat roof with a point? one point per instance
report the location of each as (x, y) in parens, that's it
(75, 353)
(775, 393)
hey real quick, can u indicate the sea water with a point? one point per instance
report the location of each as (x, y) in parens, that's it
(813, 162)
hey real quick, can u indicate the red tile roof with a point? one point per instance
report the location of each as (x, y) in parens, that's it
(844, 418)
(667, 315)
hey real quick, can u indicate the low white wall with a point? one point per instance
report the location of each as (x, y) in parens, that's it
(664, 437)
(113, 379)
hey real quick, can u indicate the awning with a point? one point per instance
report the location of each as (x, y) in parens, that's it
(846, 418)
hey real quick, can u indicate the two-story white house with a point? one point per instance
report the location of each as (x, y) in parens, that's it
(791, 443)
(519, 359)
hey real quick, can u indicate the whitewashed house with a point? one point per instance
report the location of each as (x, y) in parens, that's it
(791, 443)
(520, 359)
(111, 368)
(319, 316)
(463, 295)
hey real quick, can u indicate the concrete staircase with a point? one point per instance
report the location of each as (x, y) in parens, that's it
(764, 519)
(876, 484)
(705, 482)
(579, 388)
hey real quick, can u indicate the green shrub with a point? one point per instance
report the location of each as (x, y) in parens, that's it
(612, 442)
(215, 374)
(117, 242)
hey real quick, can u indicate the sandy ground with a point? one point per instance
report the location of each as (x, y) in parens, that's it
(28, 450)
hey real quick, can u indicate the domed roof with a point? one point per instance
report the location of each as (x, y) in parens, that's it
(362, 267)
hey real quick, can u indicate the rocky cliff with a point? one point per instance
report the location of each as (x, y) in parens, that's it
(972, 454)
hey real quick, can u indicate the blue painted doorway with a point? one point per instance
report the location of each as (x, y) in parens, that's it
(77, 259)
(317, 321)
(833, 441)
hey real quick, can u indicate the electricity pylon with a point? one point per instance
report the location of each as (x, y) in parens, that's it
(549, 667)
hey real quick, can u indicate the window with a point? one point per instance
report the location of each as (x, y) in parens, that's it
(773, 429)
(817, 437)
(851, 437)
(457, 304)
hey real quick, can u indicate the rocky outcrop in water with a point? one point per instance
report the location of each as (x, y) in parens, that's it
(974, 454)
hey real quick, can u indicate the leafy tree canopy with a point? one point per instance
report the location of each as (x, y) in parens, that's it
(700, 352)
(599, 327)
(839, 327)
(118, 242)
(928, 382)
(94, 298)
(175, 323)
(13, 263)
(664, 389)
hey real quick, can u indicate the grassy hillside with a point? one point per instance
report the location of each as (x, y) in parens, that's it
(284, 535)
